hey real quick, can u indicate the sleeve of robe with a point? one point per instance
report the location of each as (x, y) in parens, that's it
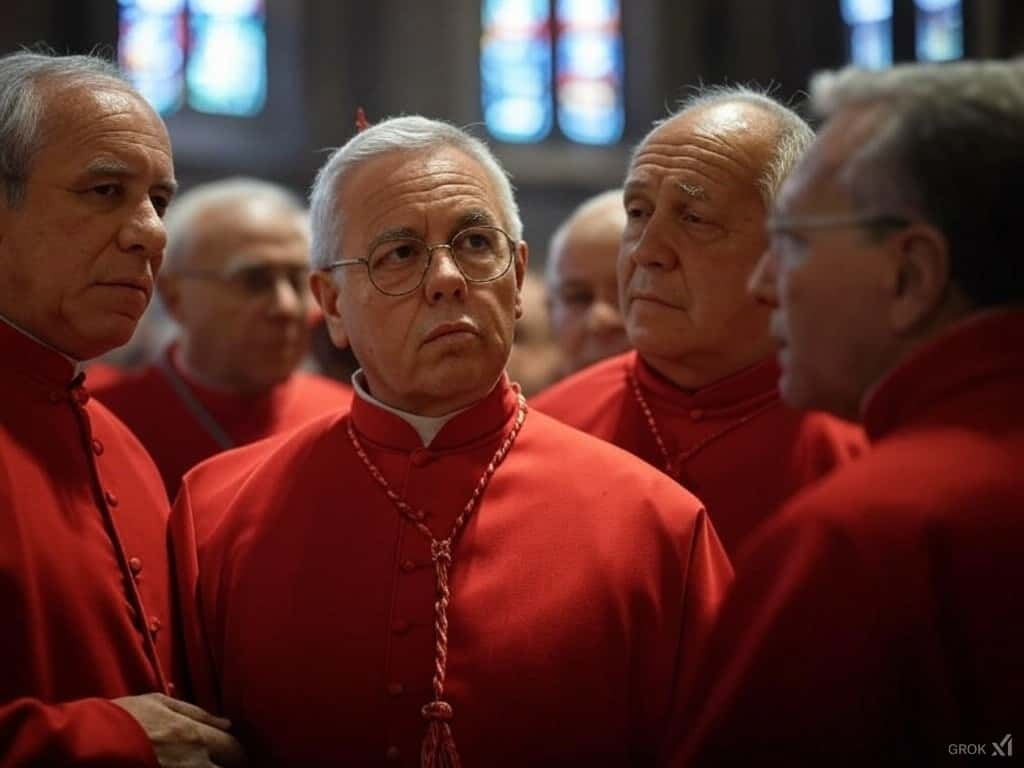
(804, 618)
(83, 733)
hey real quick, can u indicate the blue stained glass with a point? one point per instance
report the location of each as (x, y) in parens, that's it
(516, 69)
(151, 50)
(940, 32)
(227, 7)
(227, 67)
(869, 32)
(865, 11)
(590, 71)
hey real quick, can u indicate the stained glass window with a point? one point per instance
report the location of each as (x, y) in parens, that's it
(541, 59)
(208, 54)
(869, 32)
(589, 71)
(940, 31)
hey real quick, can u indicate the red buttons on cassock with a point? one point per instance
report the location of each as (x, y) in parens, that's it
(400, 627)
(155, 625)
(81, 395)
(395, 689)
(170, 689)
(393, 754)
(110, 498)
(421, 457)
(97, 447)
(408, 566)
(135, 564)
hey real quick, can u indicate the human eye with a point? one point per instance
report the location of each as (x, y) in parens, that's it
(395, 254)
(476, 242)
(255, 279)
(577, 298)
(160, 203)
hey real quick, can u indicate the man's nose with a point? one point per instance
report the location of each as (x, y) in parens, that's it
(287, 297)
(444, 279)
(604, 317)
(143, 232)
(762, 281)
(656, 248)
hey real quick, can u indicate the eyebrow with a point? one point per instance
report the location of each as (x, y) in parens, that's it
(695, 191)
(473, 218)
(119, 170)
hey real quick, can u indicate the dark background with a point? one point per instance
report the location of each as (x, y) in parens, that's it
(420, 56)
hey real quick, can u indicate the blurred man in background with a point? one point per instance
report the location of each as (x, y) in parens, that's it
(235, 282)
(582, 287)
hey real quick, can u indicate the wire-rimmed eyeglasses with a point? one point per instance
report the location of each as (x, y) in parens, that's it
(397, 265)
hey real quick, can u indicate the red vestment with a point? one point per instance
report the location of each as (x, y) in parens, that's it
(176, 438)
(879, 619)
(732, 443)
(85, 589)
(580, 584)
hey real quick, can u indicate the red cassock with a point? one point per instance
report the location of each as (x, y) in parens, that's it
(732, 443)
(85, 589)
(879, 620)
(581, 583)
(178, 435)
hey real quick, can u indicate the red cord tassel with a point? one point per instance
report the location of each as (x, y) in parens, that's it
(438, 745)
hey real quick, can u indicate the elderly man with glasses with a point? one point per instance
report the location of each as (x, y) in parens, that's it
(235, 282)
(880, 619)
(440, 574)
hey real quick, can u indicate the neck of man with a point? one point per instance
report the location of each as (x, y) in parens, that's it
(426, 426)
(191, 367)
(699, 370)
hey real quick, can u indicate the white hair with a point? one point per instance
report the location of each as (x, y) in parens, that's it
(407, 134)
(23, 108)
(181, 217)
(792, 139)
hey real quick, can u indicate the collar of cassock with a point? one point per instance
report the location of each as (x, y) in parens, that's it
(24, 352)
(983, 347)
(747, 389)
(399, 430)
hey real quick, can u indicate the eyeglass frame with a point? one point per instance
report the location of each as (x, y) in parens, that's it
(783, 225)
(230, 276)
(450, 245)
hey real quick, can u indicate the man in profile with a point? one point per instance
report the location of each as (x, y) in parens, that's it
(698, 397)
(582, 287)
(235, 283)
(90, 638)
(878, 619)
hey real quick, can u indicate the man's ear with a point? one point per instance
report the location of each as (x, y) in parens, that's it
(326, 293)
(921, 275)
(522, 257)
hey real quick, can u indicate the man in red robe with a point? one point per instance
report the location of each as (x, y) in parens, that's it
(235, 282)
(698, 397)
(879, 619)
(582, 285)
(89, 638)
(440, 574)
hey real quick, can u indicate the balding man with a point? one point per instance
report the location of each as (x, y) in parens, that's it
(89, 638)
(698, 398)
(235, 282)
(582, 287)
(879, 619)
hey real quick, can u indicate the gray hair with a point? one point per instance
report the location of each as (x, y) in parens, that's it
(180, 220)
(395, 135)
(948, 146)
(792, 139)
(22, 107)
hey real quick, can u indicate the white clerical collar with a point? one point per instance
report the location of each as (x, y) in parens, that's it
(426, 427)
(76, 363)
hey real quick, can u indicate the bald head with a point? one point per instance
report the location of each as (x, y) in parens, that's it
(582, 285)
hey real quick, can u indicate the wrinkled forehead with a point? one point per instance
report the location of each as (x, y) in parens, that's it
(418, 191)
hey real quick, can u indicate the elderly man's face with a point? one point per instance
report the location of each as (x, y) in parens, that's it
(443, 346)
(241, 294)
(79, 254)
(694, 233)
(583, 292)
(828, 288)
